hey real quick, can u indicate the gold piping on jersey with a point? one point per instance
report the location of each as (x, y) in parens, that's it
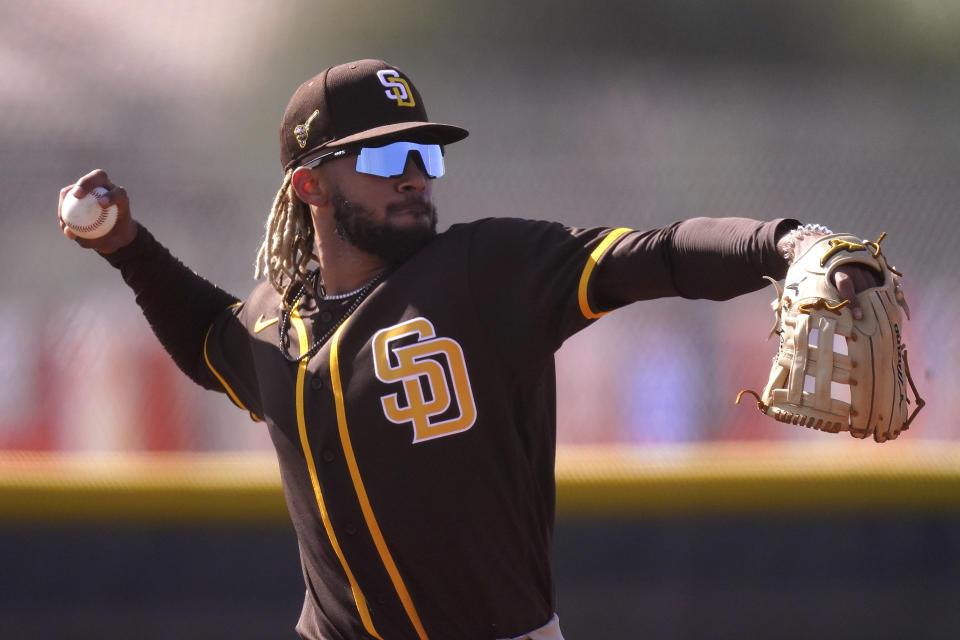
(588, 271)
(226, 387)
(358, 598)
(365, 507)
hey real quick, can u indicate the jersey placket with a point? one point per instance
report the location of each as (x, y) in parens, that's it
(313, 380)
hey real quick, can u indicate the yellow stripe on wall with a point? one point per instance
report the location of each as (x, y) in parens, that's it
(368, 515)
(588, 271)
(361, 602)
(836, 474)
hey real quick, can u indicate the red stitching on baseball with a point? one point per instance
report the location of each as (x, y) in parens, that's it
(93, 225)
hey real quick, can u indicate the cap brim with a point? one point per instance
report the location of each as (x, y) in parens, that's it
(442, 133)
(437, 132)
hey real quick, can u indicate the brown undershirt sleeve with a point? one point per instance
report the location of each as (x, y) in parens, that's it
(712, 258)
(179, 304)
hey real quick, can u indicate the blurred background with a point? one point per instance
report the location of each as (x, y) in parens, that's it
(607, 113)
(603, 112)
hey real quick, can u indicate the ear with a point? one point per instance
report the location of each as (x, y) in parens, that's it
(311, 186)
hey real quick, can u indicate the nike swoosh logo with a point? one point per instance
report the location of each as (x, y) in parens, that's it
(262, 324)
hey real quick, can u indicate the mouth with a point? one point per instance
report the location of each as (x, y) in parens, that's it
(415, 209)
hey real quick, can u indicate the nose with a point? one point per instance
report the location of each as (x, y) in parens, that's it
(414, 178)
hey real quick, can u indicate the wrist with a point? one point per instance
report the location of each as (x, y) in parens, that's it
(142, 242)
(121, 237)
(792, 243)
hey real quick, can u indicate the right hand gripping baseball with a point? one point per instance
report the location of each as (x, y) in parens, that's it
(811, 312)
(123, 231)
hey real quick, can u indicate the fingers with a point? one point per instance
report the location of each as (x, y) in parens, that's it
(118, 196)
(63, 194)
(94, 179)
(124, 229)
(848, 291)
(852, 279)
(83, 186)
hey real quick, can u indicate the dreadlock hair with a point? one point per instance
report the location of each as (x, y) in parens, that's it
(288, 242)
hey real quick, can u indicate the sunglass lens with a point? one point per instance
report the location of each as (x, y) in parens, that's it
(390, 160)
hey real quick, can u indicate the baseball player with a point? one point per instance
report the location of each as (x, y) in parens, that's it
(406, 376)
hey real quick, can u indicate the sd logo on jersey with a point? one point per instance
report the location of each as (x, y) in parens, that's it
(437, 398)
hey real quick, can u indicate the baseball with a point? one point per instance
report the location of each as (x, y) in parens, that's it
(87, 217)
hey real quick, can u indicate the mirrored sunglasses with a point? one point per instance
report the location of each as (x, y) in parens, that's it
(389, 160)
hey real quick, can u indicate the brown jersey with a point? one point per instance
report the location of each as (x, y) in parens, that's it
(416, 446)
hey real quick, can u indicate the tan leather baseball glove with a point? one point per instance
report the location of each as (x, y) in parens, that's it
(824, 348)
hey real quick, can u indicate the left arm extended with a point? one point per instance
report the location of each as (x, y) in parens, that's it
(712, 258)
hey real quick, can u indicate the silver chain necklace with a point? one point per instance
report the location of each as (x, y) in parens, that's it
(284, 324)
(343, 296)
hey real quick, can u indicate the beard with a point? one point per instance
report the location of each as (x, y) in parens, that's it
(395, 244)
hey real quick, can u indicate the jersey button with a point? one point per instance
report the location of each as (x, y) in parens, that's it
(351, 530)
(316, 384)
(325, 316)
(327, 455)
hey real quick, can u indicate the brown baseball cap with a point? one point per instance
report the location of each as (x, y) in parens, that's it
(354, 102)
